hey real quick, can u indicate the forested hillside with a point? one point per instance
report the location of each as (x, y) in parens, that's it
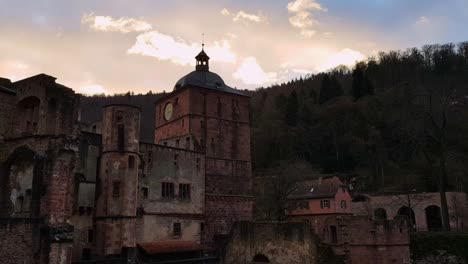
(395, 122)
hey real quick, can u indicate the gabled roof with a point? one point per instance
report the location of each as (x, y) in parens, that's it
(318, 188)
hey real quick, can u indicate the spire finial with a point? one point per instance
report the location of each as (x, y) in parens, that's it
(203, 41)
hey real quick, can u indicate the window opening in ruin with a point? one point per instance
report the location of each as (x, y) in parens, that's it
(184, 191)
(343, 204)
(176, 229)
(144, 191)
(202, 227)
(433, 218)
(94, 129)
(176, 158)
(198, 164)
(131, 162)
(167, 190)
(150, 156)
(380, 214)
(177, 142)
(120, 137)
(176, 101)
(119, 117)
(116, 189)
(325, 204)
(187, 143)
(90, 235)
(334, 235)
(260, 259)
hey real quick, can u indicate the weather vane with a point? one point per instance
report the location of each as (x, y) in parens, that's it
(203, 41)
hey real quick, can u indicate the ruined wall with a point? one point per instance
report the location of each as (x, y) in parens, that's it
(280, 243)
(7, 107)
(154, 228)
(16, 242)
(364, 241)
(457, 205)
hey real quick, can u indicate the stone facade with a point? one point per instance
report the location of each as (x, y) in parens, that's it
(275, 243)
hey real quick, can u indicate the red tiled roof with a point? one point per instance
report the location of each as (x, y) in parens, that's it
(170, 247)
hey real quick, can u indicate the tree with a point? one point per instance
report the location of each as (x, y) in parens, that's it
(292, 106)
(330, 88)
(362, 85)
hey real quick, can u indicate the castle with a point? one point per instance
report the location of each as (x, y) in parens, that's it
(72, 192)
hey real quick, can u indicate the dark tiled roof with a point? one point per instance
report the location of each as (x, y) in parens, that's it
(170, 247)
(7, 90)
(326, 187)
(205, 79)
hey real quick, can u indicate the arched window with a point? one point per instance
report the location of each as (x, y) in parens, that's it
(380, 214)
(407, 213)
(433, 218)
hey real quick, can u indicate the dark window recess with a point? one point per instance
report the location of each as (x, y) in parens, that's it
(131, 162)
(176, 229)
(184, 191)
(144, 191)
(325, 204)
(198, 164)
(177, 142)
(119, 117)
(116, 189)
(176, 101)
(202, 227)
(90, 235)
(187, 143)
(86, 254)
(150, 156)
(176, 158)
(81, 210)
(167, 190)
(120, 137)
(343, 204)
(334, 236)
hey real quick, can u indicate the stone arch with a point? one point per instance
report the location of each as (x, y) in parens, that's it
(260, 258)
(433, 218)
(20, 181)
(380, 214)
(407, 213)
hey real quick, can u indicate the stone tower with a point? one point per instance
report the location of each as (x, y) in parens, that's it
(117, 188)
(205, 115)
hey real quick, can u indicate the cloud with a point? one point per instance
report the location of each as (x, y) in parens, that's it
(250, 72)
(422, 21)
(92, 89)
(110, 24)
(178, 51)
(302, 17)
(244, 17)
(347, 57)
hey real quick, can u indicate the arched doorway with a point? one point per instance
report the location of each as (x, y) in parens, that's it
(259, 259)
(407, 213)
(433, 218)
(380, 214)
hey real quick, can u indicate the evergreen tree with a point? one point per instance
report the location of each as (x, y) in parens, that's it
(329, 89)
(292, 106)
(362, 86)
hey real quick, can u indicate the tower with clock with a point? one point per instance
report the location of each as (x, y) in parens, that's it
(205, 115)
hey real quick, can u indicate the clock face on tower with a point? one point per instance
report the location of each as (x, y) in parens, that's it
(168, 111)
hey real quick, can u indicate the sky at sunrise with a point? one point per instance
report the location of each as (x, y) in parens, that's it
(115, 46)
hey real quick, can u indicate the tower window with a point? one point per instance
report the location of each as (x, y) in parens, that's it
(176, 157)
(176, 100)
(177, 143)
(131, 162)
(120, 137)
(150, 156)
(176, 229)
(119, 117)
(116, 189)
(184, 191)
(343, 204)
(167, 190)
(187, 143)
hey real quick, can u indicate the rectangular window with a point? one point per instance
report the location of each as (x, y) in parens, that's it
(177, 142)
(343, 204)
(198, 164)
(131, 162)
(90, 235)
(184, 191)
(176, 157)
(144, 192)
(120, 137)
(334, 235)
(167, 190)
(176, 229)
(150, 156)
(116, 189)
(325, 204)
